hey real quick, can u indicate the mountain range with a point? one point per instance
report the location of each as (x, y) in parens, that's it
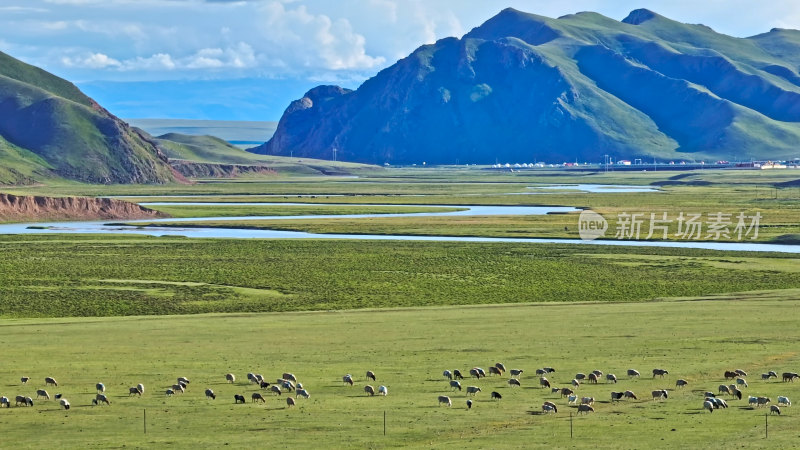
(50, 129)
(523, 87)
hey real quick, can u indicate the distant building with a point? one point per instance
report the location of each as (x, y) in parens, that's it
(624, 162)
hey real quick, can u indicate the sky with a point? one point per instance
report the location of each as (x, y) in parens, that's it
(247, 59)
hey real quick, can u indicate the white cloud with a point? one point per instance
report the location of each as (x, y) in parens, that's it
(92, 61)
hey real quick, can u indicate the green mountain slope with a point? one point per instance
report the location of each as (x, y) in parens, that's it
(523, 87)
(72, 135)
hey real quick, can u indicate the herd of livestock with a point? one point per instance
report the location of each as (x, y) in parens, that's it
(584, 404)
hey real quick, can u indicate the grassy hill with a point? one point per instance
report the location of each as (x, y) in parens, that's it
(523, 87)
(50, 129)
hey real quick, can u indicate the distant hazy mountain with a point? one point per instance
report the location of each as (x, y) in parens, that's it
(522, 87)
(49, 128)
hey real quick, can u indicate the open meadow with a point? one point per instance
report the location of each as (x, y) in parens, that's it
(695, 340)
(124, 310)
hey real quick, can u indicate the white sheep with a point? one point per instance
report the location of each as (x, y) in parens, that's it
(101, 398)
(383, 390)
(572, 399)
(708, 405)
(140, 387)
(455, 385)
(741, 382)
(289, 376)
(210, 394)
(513, 382)
(5, 402)
(230, 378)
(611, 378)
(101, 388)
(64, 402)
(302, 393)
(42, 393)
(369, 390)
(633, 373)
(784, 401)
(445, 399)
(447, 374)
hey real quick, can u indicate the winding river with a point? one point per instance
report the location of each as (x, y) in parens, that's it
(102, 227)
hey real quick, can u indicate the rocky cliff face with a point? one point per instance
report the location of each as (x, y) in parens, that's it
(15, 208)
(523, 87)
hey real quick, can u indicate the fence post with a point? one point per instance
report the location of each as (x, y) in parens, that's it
(144, 419)
(570, 425)
(766, 426)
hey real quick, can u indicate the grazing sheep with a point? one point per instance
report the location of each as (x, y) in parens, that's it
(740, 372)
(469, 403)
(790, 376)
(544, 382)
(140, 387)
(264, 385)
(134, 391)
(766, 376)
(447, 374)
(455, 385)
(5, 402)
(660, 372)
(275, 389)
(633, 373)
(709, 406)
(719, 402)
(617, 396)
(724, 389)
(572, 399)
(775, 409)
(178, 388)
(445, 399)
(100, 388)
(611, 378)
(289, 376)
(348, 379)
(515, 373)
(383, 390)
(252, 377)
(549, 369)
(238, 399)
(730, 374)
(580, 376)
(555, 390)
(762, 401)
(101, 398)
(210, 394)
(49, 381)
(576, 383)
(24, 380)
(540, 372)
(42, 393)
(230, 378)
(566, 391)
(183, 380)
(21, 399)
(472, 390)
(592, 378)
(585, 409)
(494, 371)
(784, 401)
(660, 394)
(598, 373)
(477, 372)
(752, 401)
(513, 382)
(256, 397)
(630, 394)
(289, 402)
(170, 392)
(65, 403)
(548, 407)
(587, 401)
(288, 385)
(371, 375)
(501, 367)
(741, 382)
(736, 393)
(301, 393)
(457, 375)
(496, 395)
(772, 374)
(369, 390)
(681, 383)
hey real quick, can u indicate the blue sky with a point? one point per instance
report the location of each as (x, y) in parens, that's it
(181, 58)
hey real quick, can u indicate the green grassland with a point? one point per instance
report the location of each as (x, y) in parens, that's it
(408, 349)
(60, 276)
